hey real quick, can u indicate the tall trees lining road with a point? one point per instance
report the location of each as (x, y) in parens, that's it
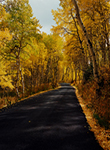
(85, 26)
(77, 49)
(28, 58)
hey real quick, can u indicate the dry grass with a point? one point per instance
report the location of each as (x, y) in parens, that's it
(102, 135)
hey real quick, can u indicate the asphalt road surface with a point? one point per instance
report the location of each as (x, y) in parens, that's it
(50, 121)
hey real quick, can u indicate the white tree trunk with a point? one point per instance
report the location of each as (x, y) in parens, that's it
(16, 86)
(95, 69)
(22, 80)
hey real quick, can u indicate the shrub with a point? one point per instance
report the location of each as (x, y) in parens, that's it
(99, 103)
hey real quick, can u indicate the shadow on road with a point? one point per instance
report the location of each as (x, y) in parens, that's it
(50, 121)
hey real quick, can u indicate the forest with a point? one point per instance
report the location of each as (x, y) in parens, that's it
(77, 51)
(85, 28)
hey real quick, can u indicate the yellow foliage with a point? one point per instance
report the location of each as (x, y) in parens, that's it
(5, 79)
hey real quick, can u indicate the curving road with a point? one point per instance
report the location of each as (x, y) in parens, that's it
(50, 121)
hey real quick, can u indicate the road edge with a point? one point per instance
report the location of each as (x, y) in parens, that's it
(24, 99)
(99, 132)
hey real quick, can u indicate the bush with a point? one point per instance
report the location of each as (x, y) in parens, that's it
(101, 122)
(99, 103)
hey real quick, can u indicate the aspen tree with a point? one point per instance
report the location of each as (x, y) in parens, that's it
(95, 67)
(22, 26)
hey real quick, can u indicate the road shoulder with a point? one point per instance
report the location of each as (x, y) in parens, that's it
(101, 135)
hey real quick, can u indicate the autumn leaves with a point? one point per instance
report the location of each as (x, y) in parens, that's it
(29, 60)
(85, 27)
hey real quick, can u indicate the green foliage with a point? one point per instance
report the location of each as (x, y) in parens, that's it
(102, 122)
(21, 23)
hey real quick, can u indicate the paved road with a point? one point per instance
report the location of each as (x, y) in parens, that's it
(50, 121)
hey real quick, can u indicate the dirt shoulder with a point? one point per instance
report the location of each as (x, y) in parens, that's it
(102, 135)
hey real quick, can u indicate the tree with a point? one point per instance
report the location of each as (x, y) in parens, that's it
(93, 20)
(95, 69)
(68, 27)
(54, 45)
(5, 78)
(22, 26)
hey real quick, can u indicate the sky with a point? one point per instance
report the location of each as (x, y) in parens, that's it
(42, 11)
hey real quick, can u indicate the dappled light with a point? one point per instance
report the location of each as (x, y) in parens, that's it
(52, 120)
(39, 74)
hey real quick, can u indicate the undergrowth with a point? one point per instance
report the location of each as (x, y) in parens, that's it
(7, 101)
(99, 103)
